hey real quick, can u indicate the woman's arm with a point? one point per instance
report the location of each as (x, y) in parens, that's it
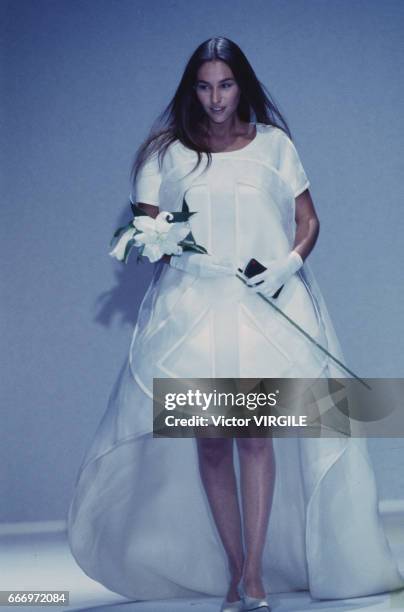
(278, 271)
(152, 210)
(193, 263)
(307, 225)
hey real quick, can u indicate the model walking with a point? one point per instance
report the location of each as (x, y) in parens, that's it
(160, 518)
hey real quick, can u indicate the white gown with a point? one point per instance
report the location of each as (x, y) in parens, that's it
(139, 521)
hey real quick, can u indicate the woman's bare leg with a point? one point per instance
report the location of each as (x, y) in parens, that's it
(257, 472)
(218, 477)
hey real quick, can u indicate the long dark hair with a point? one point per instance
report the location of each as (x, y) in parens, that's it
(184, 118)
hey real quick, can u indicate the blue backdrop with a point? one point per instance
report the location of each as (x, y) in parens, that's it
(84, 80)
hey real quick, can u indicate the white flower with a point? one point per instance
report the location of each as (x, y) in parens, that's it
(158, 236)
(119, 249)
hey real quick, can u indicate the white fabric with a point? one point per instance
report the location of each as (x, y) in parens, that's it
(202, 264)
(139, 521)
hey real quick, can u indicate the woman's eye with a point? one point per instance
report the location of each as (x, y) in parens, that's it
(203, 87)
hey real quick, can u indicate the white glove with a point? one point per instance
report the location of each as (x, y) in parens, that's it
(202, 265)
(278, 272)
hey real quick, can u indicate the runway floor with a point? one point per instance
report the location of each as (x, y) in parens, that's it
(36, 556)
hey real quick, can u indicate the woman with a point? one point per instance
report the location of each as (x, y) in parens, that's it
(160, 518)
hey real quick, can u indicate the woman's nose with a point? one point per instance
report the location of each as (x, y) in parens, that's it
(215, 96)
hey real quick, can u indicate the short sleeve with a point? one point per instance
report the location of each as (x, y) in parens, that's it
(148, 181)
(291, 168)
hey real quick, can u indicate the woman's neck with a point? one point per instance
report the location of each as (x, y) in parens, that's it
(228, 130)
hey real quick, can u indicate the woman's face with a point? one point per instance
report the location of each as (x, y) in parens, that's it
(217, 90)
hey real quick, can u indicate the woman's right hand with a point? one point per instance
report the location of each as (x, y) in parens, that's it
(202, 265)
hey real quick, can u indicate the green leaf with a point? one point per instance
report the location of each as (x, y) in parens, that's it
(200, 249)
(185, 207)
(120, 231)
(184, 215)
(180, 217)
(188, 245)
(128, 248)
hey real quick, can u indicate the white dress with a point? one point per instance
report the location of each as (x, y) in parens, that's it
(139, 521)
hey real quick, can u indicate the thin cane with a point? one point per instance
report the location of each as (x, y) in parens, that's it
(308, 336)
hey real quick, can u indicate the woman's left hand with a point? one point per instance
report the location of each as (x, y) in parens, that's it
(277, 274)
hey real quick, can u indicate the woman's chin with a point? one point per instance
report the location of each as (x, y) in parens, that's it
(217, 118)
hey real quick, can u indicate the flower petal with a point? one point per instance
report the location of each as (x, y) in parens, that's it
(119, 249)
(153, 252)
(162, 224)
(145, 223)
(144, 237)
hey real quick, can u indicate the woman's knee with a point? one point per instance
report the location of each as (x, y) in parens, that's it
(214, 450)
(254, 446)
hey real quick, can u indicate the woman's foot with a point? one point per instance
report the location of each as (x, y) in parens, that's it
(252, 602)
(235, 606)
(232, 601)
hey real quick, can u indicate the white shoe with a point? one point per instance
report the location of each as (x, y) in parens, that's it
(252, 603)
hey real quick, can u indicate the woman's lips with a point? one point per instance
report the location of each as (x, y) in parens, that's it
(215, 110)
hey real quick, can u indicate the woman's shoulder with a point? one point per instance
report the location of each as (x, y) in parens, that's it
(274, 140)
(176, 148)
(162, 160)
(272, 131)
